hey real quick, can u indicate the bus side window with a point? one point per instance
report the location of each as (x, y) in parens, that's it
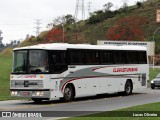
(75, 57)
(106, 57)
(58, 62)
(119, 57)
(53, 58)
(142, 57)
(132, 57)
(91, 57)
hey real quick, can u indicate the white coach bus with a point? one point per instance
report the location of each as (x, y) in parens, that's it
(65, 71)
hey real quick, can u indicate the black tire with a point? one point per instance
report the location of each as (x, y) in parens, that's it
(152, 87)
(37, 100)
(68, 94)
(128, 88)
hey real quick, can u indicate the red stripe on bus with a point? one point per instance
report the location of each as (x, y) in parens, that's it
(90, 76)
(95, 77)
(77, 79)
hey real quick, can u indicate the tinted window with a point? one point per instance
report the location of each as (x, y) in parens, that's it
(119, 57)
(83, 57)
(132, 57)
(142, 57)
(106, 57)
(76, 57)
(58, 62)
(91, 57)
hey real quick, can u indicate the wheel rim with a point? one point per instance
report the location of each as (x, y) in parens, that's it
(68, 93)
(128, 87)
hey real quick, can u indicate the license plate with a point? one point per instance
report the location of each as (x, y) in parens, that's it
(25, 93)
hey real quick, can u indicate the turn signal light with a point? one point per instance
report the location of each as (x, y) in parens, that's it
(41, 76)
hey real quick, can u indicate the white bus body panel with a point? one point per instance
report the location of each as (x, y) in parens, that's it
(112, 81)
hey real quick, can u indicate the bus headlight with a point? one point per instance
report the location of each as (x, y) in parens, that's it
(37, 93)
(14, 93)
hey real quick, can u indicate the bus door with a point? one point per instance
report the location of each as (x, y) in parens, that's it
(58, 67)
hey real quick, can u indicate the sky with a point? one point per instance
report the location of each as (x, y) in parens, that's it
(18, 17)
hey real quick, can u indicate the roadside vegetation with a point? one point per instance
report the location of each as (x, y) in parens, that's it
(153, 73)
(141, 109)
(5, 70)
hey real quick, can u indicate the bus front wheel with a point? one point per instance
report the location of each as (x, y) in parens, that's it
(68, 93)
(37, 100)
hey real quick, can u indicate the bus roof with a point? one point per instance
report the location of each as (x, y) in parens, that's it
(65, 46)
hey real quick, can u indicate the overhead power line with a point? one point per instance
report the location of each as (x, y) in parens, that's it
(89, 8)
(37, 27)
(79, 8)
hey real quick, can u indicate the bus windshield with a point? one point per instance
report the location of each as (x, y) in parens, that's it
(20, 62)
(38, 61)
(31, 61)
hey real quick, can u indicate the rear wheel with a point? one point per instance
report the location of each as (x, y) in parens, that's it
(68, 93)
(37, 100)
(128, 88)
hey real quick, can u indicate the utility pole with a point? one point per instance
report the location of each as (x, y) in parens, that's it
(37, 27)
(1, 37)
(80, 8)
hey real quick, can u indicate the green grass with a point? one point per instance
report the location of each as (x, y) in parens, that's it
(153, 108)
(5, 70)
(153, 73)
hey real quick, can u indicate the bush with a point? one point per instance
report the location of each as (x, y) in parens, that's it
(100, 16)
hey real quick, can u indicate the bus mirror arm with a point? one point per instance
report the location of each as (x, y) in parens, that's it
(71, 72)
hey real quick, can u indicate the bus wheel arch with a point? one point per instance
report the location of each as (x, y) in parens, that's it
(69, 92)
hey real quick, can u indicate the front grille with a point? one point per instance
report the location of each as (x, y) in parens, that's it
(27, 83)
(157, 82)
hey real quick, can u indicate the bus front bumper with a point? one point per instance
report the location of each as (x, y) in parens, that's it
(35, 93)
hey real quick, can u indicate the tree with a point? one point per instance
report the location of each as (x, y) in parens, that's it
(128, 28)
(157, 45)
(108, 6)
(11, 42)
(69, 19)
(125, 6)
(99, 16)
(62, 20)
(55, 35)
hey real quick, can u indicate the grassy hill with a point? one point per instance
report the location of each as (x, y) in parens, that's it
(98, 31)
(90, 33)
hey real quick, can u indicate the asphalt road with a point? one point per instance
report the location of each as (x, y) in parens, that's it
(86, 105)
